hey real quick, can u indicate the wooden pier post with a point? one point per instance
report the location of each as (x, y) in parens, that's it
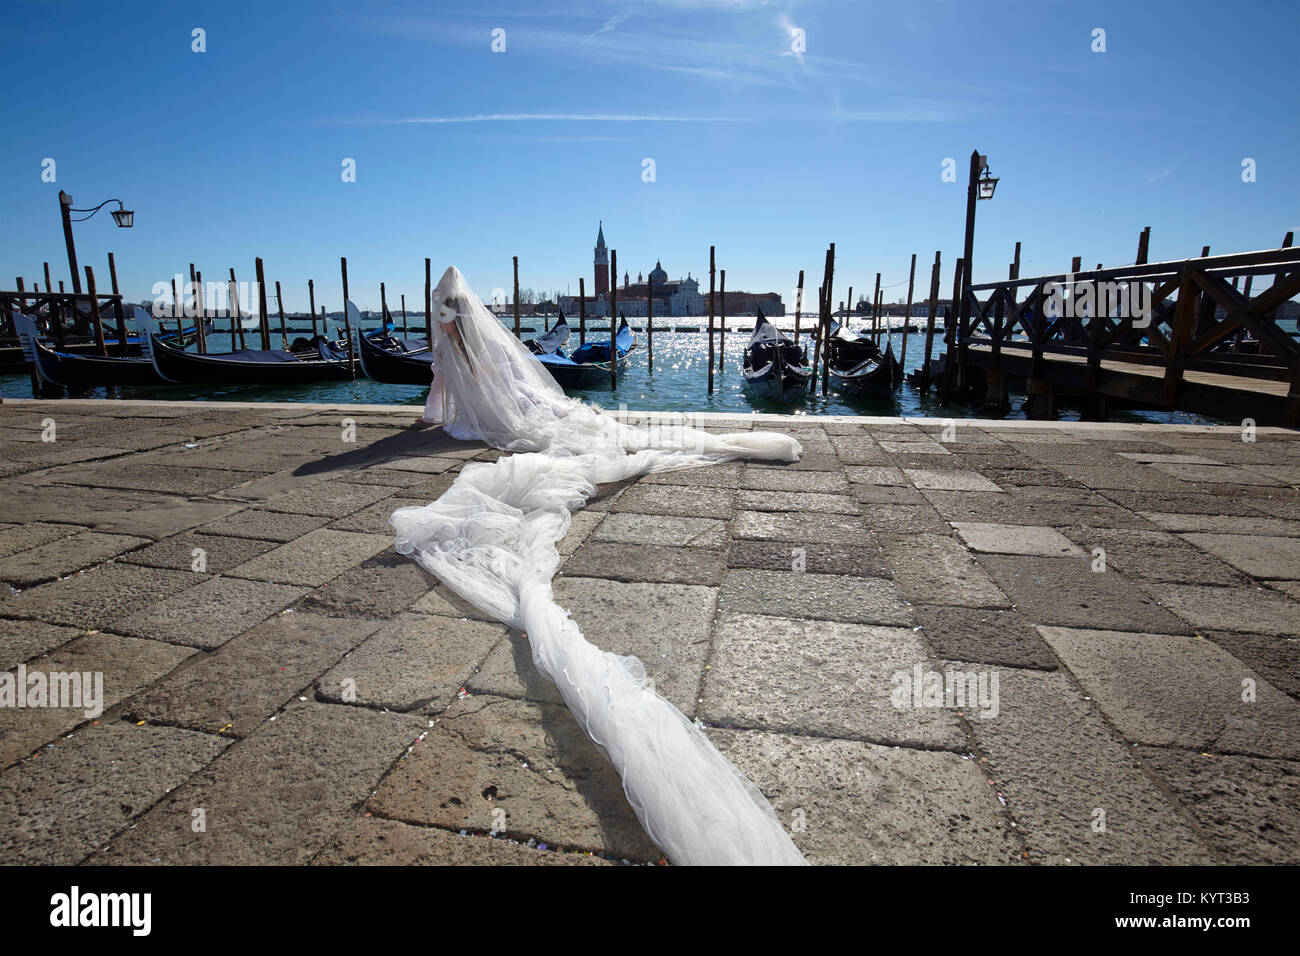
(1144, 242)
(236, 321)
(178, 309)
(279, 304)
(383, 308)
(722, 320)
(95, 320)
(951, 334)
(121, 313)
(650, 324)
(582, 311)
(798, 307)
(347, 319)
(826, 322)
(405, 331)
(264, 324)
(929, 322)
(1076, 263)
(200, 313)
(876, 317)
(428, 303)
(311, 305)
(1013, 272)
(516, 261)
(907, 316)
(711, 267)
(816, 333)
(201, 345)
(848, 307)
(56, 308)
(613, 318)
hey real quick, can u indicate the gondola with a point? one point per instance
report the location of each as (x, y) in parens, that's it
(773, 363)
(64, 370)
(243, 367)
(588, 365)
(387, 360)
(857, 366)
(548, 342)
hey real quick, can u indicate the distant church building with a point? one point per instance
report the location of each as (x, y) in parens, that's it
(671, 298)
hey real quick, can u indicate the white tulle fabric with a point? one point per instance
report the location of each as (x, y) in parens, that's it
(491, 538)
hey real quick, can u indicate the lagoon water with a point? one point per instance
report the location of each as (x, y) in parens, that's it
(677, 381)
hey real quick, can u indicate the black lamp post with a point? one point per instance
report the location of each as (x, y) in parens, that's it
(976, 189)
(125, 219)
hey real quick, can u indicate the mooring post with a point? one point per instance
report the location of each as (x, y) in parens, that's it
(517, 333)
(711, 267)
(613, 319)
(876, 316)
(263, 322)
(311, 300)
(722, 319)
(826, 322)
(56, 308)
(178, 309)
(200, 313)
(1013, 271)
(405, 331)
(650, 323)
(428, 303)
(582, 311)
(848, 307)
(236, 322)
(279, 304)
(950, 334)
(121, 312)
(347, 319)
(383, 308)
(929, 322)
(1144, 242)
(798, 307)
(907, 316)
(94, 312)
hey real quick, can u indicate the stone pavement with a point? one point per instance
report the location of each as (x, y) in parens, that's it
(281, 687)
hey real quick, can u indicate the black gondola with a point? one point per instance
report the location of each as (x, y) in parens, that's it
(773, 363)
(387, 360)
(243, 367)
(589, 364)
(64, 370)
(857, 366)
(550, 341)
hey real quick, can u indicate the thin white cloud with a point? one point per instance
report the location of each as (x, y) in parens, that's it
(538, 117)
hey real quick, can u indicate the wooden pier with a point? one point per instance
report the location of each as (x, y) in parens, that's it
(1188, 335)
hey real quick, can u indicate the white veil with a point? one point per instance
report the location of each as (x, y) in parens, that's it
(491, 538)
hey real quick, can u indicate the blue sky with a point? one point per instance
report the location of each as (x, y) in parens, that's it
(470, 156)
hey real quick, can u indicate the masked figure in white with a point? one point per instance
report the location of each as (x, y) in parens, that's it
(491, 538)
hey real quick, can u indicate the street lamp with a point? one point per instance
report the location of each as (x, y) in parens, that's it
(976, 189)
(125, 219)
(986, 185)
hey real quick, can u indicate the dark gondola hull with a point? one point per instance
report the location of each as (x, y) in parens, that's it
(773, 365)
(242, 368)
(70, 372)
(878, 379)
(392, 367)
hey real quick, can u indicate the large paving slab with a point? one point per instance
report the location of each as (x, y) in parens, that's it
(522, 768)
(374, 841)
(60, 807)
(277, 797)
(820, 678)
(1208, 699)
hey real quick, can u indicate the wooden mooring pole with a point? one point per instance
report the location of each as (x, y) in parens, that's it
(650, 324)
(121, 312)
(722, 319)
(279, 305)
(94, 312)
(200, 313)
(347, 319)
(428, 303)
(951, 334)
(711, 267)
(236, 322)
(311, 299)
(263, 322)
(582, 311)
(516, 265)
(929, 321)
(798, 307)
(907, 315)
(613, 319)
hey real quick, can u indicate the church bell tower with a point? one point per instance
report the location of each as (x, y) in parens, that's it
(602, 263)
